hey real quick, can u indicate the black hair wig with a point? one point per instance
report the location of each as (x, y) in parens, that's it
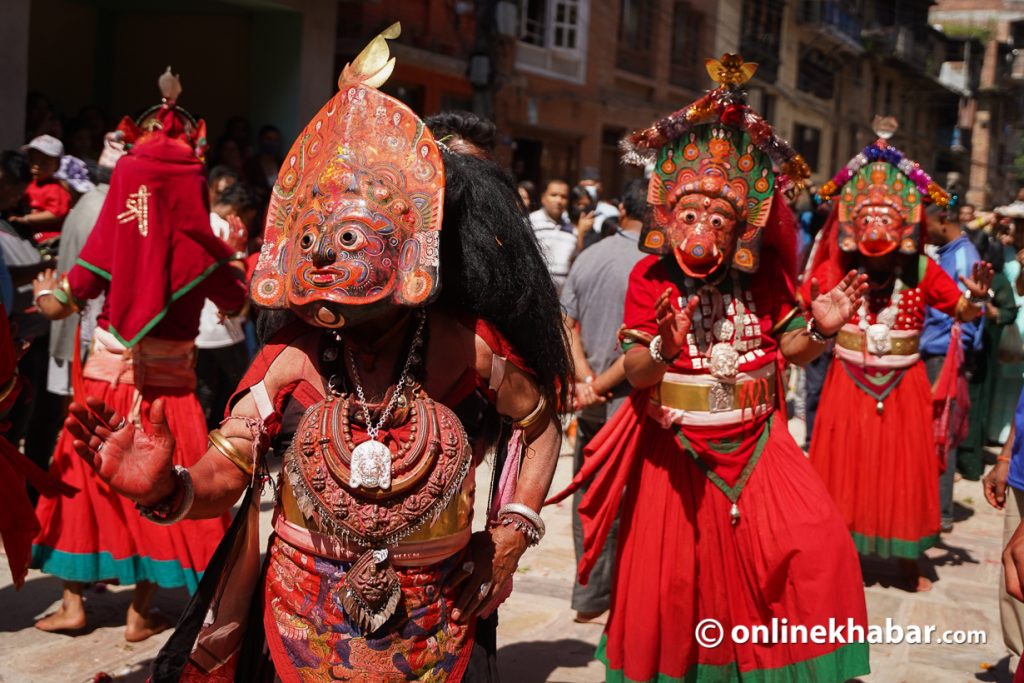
(463, 124)
(491, 266)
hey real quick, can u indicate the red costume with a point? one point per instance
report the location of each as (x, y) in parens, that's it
(722, 516)
(873, 441)
(374, 506)
(156, 258)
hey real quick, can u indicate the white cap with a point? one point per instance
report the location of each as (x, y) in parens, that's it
(47, 144)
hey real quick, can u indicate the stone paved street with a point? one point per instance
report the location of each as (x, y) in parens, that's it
(538, 639)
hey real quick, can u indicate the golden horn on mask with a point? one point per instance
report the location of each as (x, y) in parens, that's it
(373, 66)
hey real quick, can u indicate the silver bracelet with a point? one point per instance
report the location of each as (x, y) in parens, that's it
(526, 513)
(40, 295)
(655, 349)
(158, 514)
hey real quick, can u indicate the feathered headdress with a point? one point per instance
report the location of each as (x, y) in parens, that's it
(720, 147)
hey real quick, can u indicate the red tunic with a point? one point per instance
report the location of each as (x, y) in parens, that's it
(681, 560)
(880, 466)
(223, 287)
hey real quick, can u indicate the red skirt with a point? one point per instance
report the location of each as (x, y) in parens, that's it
(681, 561)
(98, 535)
(881, 469)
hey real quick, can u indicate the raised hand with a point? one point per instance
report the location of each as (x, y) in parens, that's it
(238, 235)
(831, 310)
(673, 325)
(133, 462)
(980, 280)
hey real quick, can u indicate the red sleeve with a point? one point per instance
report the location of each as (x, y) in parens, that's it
(51, 197)
(828, 274)
(85, 284)
(939, 289)
(647, 281)
(499, 345)
(225, 288)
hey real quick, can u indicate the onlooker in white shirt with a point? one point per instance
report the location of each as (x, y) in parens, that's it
(554, 231)
(222, 357)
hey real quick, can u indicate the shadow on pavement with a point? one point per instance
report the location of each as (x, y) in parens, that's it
(997, 673)
(21, 607)
(533, 662)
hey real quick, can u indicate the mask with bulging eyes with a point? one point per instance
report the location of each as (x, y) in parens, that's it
(879, 228)
(702, 233)
(354, 221)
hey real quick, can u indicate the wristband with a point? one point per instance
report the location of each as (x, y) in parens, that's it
(174, 507)
(815, 334)
(655, 349)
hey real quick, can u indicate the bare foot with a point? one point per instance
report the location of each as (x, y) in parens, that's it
(140, 627)
(918, 582)
(64, 620)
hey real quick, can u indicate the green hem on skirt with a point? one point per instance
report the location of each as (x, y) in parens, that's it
(892, 547)
(842, 664)
(90, 567)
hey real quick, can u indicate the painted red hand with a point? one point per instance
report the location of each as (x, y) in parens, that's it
(831, 310)
(133, 462)
(673, 325)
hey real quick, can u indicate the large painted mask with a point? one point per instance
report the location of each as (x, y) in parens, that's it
(355, 217)
(881, 194)
(711, 193)
(713, 182)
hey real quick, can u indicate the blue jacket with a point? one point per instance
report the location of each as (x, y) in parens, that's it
(956, 258)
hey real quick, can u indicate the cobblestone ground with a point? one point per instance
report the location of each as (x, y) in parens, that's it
(538, 640)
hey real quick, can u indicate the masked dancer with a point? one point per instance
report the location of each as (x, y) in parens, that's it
(724, 523)
(874, 441)
(153, 254)
(424, 330)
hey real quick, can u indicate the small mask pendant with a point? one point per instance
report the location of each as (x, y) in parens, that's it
(725, 361)
(371, 466)
(373, 591)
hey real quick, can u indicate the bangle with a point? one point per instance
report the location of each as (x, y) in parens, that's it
(527, 515)
(228, 450)
(174, 507)
(815, 334)
(590, 379)
(1002, 458)
(980, 300)
(64, 296)
(40, 295)
(522, 525)
(655, 349)
(524, 423)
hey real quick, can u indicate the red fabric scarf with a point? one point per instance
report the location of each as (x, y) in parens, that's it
(153, 245)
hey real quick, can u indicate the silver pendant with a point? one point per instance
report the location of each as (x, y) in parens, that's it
(734, 513)
(887, 316)
(723, 329)
(371, 466)
(725, 361)
(720, 397)
(879, 339)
